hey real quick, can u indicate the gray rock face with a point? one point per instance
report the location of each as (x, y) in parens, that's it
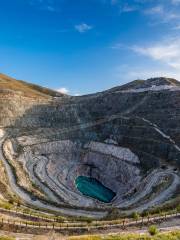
(58, 164)
(122, 137)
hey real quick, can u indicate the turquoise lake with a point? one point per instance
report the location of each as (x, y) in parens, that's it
(93, 188)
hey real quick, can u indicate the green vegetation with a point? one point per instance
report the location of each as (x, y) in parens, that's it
(160, 236)
(5, 205)
(114, 214)
(6, 238)
(178, 208)
(168, 207)
(135, 216)
(152, 230)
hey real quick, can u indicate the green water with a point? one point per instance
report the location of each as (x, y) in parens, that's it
(93, 188)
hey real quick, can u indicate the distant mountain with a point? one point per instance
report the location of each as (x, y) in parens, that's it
(162, 81)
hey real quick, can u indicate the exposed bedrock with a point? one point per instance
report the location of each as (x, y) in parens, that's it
(58, 164)
(55, 165)
(128, 138)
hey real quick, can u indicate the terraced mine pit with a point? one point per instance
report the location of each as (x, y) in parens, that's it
(93, 188)
(52, 146)
(55, 166)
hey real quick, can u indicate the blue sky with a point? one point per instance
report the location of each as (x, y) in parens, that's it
(85, 46)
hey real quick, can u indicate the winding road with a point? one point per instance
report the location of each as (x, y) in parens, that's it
(151, 180)
(37, 203)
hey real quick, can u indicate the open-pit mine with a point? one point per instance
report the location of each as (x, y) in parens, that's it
(86, 155)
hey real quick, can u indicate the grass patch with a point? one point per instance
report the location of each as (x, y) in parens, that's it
(27, 89)
(168, 207)
(6, 238)
(161, 236)
(6, 205)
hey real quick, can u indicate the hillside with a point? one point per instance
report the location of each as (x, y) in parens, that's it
(26, 89)
(127, 138)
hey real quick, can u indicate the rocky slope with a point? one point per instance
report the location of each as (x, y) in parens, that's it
(127, 137)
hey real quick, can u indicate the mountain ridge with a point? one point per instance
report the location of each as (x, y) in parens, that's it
(21, 85)
(150, 82)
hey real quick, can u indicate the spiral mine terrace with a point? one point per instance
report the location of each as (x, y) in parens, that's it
(54, 166)
(120, 155)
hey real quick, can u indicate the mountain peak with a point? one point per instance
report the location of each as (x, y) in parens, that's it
(161, 81)
(151, 83)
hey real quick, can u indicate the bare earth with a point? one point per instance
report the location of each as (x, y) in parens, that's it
(170, 225)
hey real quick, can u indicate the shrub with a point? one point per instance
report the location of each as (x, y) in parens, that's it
(178, 208)
(153, 230)
(113, 214)
(145, 214)
(89, 220)
(11, 201)
(7, 206)
(135, 216)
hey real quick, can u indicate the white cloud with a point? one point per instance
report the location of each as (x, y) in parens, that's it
(63, 90)
(83, 27)
(175, 1)
(128, 73)
(162, 13)
(123, 6)
(118, 46)
(159, 9)
(128, 8)
(167, 52)
(165, 60)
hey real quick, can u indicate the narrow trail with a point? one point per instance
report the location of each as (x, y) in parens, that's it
(152, 179)
(132, 109)
(30, 166)
(157, 129)
(96, 227)
(163, 196)
(56, 186)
